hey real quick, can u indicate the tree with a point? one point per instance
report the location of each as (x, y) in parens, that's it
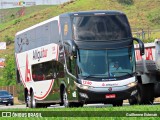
(8, 39)
(9, 74)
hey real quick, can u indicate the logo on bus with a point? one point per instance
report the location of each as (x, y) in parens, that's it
(109, 84)
(27, 71)
(38, 54)
(86, 82)
(109, 89)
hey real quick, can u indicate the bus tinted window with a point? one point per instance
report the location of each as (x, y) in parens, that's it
(47, 70)
(109, 27)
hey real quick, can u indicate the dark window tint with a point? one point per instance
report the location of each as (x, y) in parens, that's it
(47, 70)
(106, 63)
(109, 27)
(18, 76)
(2, 93)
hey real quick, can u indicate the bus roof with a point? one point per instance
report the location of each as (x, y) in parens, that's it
(36, 25)
(97, 12)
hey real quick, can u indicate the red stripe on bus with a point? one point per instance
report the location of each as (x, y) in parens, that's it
(20, 71)
(25, 84)
(46, 92)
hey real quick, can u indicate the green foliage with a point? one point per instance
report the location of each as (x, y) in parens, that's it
(20, 91)
(90, 111)
(17, 21)
(149, 40)
(8, 40)
(9, 75)
(126, 2)
(12, 16)
(154, 18)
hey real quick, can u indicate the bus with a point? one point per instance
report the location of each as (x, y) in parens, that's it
(77, 58)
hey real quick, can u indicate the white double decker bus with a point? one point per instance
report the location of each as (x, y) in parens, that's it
(77, 58)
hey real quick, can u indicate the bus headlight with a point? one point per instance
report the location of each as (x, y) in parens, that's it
(84, 87)
(132, 84)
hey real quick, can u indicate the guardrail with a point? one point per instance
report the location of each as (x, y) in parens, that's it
(145, 33)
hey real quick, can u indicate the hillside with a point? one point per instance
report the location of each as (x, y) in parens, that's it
(8, 23)
(142, 14)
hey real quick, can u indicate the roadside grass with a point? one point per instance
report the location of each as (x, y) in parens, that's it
(93, 111)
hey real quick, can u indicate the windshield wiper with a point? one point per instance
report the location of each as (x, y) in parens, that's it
(125, 72)
(89, 76)
(92, 76)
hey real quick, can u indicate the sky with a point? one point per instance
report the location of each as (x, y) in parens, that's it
(38, 2)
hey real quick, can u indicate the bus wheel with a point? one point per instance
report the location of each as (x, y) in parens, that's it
(65, 99)
(117, 103)
(41, 105)
(79, 104)
(26, 95)
(31, 100)
(27, 100)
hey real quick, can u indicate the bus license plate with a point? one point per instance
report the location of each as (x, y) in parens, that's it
(110, 96)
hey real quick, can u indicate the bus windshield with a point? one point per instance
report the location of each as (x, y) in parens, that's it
(106, 63)
(108, 27)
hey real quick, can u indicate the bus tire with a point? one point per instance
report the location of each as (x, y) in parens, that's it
(65, 98)
(117, 103)
(145, 93)
(28, 104)
(26, 96)
(31, 100)
(76, 104)
(79, 104)
(41, 105)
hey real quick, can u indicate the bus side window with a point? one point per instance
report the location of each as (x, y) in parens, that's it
(73, 65)
(60, 70)
(47, 70)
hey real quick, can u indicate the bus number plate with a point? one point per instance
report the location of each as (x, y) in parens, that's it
(110, 96)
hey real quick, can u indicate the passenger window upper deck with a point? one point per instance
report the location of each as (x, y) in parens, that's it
(108, 27)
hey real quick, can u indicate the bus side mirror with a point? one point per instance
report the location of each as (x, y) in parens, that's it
(141, 45)
(72, 48)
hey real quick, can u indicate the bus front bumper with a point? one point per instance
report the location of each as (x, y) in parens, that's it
(106, 95)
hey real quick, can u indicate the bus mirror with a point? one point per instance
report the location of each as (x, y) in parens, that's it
(72, 47)
(141, 45)
(74, 50)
